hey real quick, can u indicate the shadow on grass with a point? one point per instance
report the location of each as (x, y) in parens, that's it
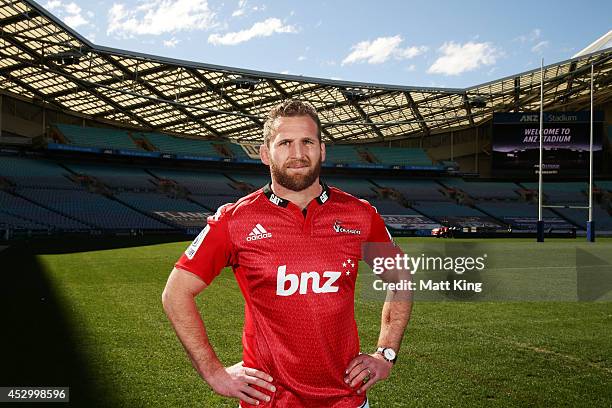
(38, 345)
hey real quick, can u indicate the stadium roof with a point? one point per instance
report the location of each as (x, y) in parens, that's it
(43, 59)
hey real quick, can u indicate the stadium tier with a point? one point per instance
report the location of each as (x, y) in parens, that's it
(116, 177)
(236, 150)
(152, 202)
(42, 196)
(199, 182)
(484, 190)
(400, 156)
(185, 148)
(19, 223)
(32, 172)
(21, 208)
(415, 190)
(522, 215)
(97, 137)
(604, 185)
(178, 211)
(562, 193)
(93, 209)
(603, 220)
(391, 207)
(213, 202)
(357, 187)
(342, 154)
(176, 145)
(445, 209)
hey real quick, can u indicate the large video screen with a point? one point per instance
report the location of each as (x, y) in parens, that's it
(516, 144)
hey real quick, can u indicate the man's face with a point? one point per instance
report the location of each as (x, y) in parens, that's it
(294, 153)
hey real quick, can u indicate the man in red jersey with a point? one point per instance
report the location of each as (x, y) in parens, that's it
(294, 247)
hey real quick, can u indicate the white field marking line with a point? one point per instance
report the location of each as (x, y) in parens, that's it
(541, 350)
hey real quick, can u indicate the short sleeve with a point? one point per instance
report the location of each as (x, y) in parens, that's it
(379, 243)
(378, 229)
(211, 250)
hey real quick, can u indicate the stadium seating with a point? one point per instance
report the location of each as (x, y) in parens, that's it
(603, 220)
(237, 151)
(97, 137)
(115, 176)
(256, 180)
(152, 202)
(177, 145)
(415, 190)
(213, 202)
(358, 187)
(562, 193)
(512, 209)
(390, 207)
(199, 182)
(400, 156)
(19, 223)
(443, 209)
(342, 154)
(93, 209)
(605, 185)
(522, 215)
(31, 172)
(21, 208)
(484, 190)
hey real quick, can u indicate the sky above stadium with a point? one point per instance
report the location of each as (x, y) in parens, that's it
(417, 43)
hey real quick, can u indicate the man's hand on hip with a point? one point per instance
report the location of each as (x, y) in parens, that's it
(236, 381)
(365, 370)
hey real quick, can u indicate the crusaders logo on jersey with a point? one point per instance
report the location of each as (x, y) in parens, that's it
(341, 230)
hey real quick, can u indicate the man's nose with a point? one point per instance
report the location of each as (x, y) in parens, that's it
(297, 150)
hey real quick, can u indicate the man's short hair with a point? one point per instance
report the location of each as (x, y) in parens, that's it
(289, 108)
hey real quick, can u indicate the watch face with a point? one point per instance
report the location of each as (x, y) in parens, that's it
(389, 354)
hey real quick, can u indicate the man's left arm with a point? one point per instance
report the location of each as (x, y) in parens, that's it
(366, 370)
(375, 367)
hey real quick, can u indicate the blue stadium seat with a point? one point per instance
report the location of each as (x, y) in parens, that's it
(97, 137)
(93, 209)
(390, 207)
(361, 188)
(22, 208)
(400, 156)
(31, 172)
(152, 202)
(562, 193)
(342, 154)
(116, 176)
(199, 182)
(213, 202)
(180, 145)
(484, 190)
(415, 190)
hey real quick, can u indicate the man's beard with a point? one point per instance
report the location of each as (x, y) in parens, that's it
(297, 182)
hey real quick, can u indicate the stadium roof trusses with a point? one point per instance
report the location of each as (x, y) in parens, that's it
(43, 59)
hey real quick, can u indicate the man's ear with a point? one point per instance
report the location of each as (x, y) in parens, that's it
(264, 154)
(322, 152)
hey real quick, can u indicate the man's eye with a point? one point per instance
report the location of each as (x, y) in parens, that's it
(284, 142)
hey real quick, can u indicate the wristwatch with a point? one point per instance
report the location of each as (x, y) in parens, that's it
(388, 354)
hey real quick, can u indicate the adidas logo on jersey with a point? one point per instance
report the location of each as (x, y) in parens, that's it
(258, 232)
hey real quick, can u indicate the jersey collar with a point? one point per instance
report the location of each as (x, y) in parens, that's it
(281, 202)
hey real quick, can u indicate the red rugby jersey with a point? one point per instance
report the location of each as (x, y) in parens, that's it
(297, 273)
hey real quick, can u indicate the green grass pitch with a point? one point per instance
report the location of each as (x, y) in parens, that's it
(459, 354)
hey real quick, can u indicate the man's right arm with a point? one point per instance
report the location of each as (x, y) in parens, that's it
(178, 300)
